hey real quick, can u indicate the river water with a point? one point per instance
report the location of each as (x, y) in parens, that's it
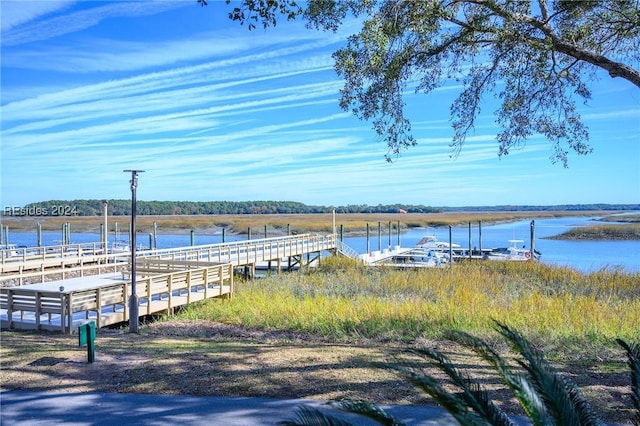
(585, 256)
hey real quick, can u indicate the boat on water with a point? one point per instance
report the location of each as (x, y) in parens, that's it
(514, 252)
(123, 246)
(9, 250)
(120, 246)
(431, 242)
(421, 257)
(406, 258)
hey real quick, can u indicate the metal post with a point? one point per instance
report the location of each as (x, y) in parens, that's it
(398, 233)
(155, 235)
(39, 239)
(193, 238)
(450, 247)
(480, 236)
(532, 244)
(334, 221)
(470, 249)
(105, 236)
(368, 249)
(133, 300)
(379, 236)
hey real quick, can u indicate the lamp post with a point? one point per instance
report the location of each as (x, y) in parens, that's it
(133, 300)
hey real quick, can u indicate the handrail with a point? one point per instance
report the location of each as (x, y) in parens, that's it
(236, 252)
(249, 251)
(346, 250)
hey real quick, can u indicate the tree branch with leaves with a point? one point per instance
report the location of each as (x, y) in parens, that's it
(538, 58)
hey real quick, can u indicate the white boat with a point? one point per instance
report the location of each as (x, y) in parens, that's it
(120, 246)
(10, 250)
(418, 258)
(513, 252)
(405, 258)
(430, 242)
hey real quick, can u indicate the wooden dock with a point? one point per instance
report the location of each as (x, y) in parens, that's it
(45, 292)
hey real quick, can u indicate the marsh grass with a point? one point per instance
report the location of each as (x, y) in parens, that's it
(344, 300)
(628, 231)
(279, 223)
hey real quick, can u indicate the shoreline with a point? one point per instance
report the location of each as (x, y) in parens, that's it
(351, 225)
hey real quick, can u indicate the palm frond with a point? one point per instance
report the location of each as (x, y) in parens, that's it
(472, 404)
(518, 383)
(633, 353)
(367, 409)
(452, 403)
(311, 416)
(564, 402)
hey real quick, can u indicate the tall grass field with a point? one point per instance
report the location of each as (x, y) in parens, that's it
(342, 299)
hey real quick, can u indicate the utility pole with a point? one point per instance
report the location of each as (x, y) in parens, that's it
(133, 300)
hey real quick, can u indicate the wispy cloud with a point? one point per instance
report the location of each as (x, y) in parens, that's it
(18, 12)
(228, 114)
(25, 27)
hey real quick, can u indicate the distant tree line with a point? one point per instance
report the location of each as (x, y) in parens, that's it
(161, 208)
(557, 207)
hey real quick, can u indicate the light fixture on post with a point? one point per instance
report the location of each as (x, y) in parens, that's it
(133, 300)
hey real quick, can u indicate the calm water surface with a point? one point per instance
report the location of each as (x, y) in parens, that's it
(585, 256)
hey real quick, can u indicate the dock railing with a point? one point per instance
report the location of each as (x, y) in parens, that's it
(27, 260)
(250, 251)
(63, 310)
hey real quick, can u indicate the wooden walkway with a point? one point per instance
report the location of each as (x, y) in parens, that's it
(59, 293)
(40, 258)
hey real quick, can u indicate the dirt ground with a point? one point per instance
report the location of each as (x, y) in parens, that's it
(204, 358)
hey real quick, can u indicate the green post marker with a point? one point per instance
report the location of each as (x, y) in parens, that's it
(87, 337)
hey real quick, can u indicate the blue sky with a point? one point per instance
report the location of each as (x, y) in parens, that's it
(212, 111)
